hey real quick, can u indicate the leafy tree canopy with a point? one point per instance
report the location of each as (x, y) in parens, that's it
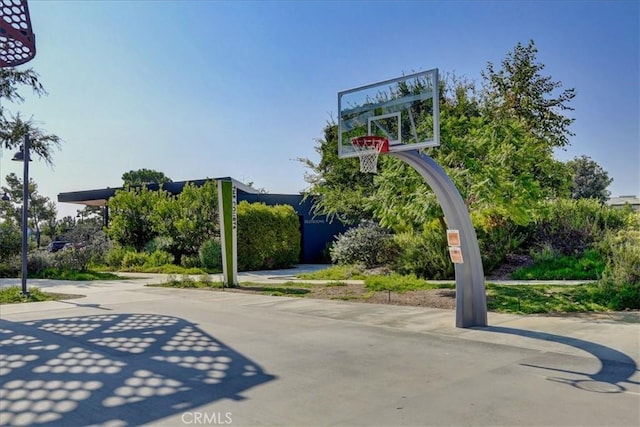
(519, 90)
(144, 176)
(497, 148)
(41, 209)
(130, 221)
(189, 219)
(137, 215)
(11, 79)
(13, 127)
(337, 185)
(589, 179)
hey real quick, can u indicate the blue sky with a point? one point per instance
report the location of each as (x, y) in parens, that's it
(201, 89)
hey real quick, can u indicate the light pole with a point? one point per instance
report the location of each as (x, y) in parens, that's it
(23, 156)
(19, 47)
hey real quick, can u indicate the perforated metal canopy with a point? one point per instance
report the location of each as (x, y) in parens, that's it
(17, 41)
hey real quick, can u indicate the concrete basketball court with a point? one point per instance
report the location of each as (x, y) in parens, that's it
(128, 355)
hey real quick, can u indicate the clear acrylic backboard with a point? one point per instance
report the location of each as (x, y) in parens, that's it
(403, 110)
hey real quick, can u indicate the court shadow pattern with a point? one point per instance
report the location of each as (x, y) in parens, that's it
(114, 370)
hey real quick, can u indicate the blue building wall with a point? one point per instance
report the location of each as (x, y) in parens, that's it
(317, 232)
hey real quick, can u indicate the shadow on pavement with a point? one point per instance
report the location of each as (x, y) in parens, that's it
(616, 368)
(115, 370)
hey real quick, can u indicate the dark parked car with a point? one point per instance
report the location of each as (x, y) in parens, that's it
(56, 245)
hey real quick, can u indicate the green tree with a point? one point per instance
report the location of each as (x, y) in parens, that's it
(11, 79)
(492, 164)
(498, 150)
(64, 225)
(589, 179)
(189, 219)
(337, 185)
(41, 209)
(144, 176)
(131, 221)
(93, 215)
(519, 90)
(10, 239)
(12, 127)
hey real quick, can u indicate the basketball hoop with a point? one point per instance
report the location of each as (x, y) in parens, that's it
(17, 41)
(368, 149)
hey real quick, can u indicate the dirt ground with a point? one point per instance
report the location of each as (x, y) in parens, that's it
(436, 298)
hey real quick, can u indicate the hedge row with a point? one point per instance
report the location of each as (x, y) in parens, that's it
(268, 236)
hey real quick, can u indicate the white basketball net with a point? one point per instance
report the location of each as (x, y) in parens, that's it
(368, 153)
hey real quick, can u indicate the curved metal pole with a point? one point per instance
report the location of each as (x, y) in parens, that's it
(471, 300)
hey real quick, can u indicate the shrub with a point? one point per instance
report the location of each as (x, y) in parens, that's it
(134, 259)
(10, 240)
(190, 261)
(158, 243)
(115, 256)
(367, 244)
(74, 258)
(571, 226)
(159, 258)
(268, 236)
(38, 261)
(497, 237)
(549, 265)
(621, 278)
(10, 267)
(211, 255)
(426, 254)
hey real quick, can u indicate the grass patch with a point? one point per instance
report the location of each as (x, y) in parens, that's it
(163, 269)
(530, 299)
(515, 299)
(588, 267)
(13, 295)
(346, 298)
(187, 282)
(58, 274)
(283, 289)
(334, 284)
(277, 290)
(336, 272)
(398, 283)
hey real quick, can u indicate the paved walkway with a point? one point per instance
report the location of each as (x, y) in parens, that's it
(126, 354)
